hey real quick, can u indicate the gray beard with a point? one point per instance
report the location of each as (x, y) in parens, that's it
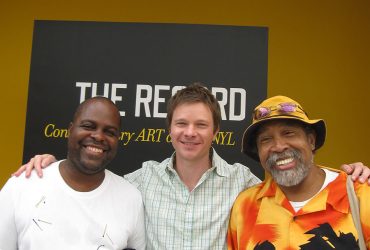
(290, 177)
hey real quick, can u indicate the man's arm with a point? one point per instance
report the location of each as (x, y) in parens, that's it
(359, 171)
(37, 162)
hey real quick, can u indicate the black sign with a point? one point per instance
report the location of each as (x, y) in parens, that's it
(139, 66)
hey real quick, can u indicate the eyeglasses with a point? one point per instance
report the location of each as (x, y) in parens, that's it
(286, 108)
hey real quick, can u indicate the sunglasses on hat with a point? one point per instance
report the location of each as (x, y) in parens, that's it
(285, 108)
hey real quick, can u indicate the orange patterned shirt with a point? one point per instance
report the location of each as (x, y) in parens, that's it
(263, 218)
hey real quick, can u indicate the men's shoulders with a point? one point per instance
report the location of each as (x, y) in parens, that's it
(150, 168)
(330, 169)
(21, 190)
(219, 162)
(254, 191)
(247, 200)
(151, 165)
(147, 169)
(21, 181)
(235, 171)
(237, 168)
(362, 190)
(123, 185)
(266, 188)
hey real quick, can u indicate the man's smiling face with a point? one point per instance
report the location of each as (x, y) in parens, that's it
(192, 131)
(285, 150)
(93, 136)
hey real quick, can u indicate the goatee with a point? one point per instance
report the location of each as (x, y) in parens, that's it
(289, 177)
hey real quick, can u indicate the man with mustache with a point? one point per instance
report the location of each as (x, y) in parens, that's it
(188, 196)
(78, 204)
(299, 205)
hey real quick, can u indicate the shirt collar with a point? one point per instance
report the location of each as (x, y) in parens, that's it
(170, 164)
(335, 193)
(218, 164)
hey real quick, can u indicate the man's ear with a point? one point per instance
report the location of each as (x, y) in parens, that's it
(312, 140)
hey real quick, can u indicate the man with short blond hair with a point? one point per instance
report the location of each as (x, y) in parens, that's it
(188, 196)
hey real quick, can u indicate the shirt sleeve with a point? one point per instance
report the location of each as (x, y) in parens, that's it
(137, 240)
(246, 175)
(8, 231)
(135, 178)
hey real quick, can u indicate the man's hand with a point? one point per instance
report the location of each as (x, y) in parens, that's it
(358, 170)
(38, 162)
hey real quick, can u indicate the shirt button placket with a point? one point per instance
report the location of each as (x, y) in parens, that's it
(188, 222)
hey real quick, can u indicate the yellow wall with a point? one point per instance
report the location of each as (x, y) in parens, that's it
(319, 54)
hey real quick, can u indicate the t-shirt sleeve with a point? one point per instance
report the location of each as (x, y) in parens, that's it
(137, 239)
(8, 231)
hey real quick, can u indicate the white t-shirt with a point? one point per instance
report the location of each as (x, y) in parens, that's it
(329, 177)
(47, 214)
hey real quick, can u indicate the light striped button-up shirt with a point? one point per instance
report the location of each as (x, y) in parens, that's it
(176, 218)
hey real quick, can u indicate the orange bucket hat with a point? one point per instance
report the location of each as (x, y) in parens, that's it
(279, 107)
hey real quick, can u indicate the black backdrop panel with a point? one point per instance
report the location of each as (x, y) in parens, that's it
(139, 66)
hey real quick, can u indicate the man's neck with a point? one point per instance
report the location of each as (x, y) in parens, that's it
(305, 190)
(77, 180)
(190, 172)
